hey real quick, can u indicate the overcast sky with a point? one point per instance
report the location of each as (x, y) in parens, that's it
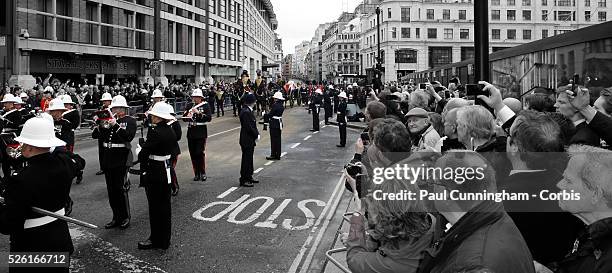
(298, 19)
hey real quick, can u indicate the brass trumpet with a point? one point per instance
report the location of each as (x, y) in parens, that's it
(14, 151)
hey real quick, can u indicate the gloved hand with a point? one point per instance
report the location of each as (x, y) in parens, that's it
(138, 149)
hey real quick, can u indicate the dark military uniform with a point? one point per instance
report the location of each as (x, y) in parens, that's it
(101, 142)
(197, 133)
(276, 126)
(341, 119)
(155, 159)
(248, 136)
(327, 105)
(12, 120)
(64, 131)
(178, 132)
(315, 107)
(44, 183)
(74, 118)
(116, 160)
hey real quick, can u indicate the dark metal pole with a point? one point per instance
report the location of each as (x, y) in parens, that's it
(157, 30)
(481, 40)
(378, 59)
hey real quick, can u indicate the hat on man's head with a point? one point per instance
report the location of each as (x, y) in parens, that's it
(417, 112)
(249, 99)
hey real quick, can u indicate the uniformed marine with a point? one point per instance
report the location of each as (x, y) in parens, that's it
(275, 118)
(341, 118)
(197, 115)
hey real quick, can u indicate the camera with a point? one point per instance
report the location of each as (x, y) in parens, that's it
(475, 90)
(422, 86)
(353, 169)
(365, 137)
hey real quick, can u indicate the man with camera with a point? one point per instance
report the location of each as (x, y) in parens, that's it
(117, 133)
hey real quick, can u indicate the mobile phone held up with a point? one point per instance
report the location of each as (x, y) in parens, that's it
(422, 86)
(475, 90)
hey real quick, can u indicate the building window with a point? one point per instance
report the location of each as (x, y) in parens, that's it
(495, 2)
(446, 14)
(439, 56)
(601, 16)
(448, 33)
(526, 3)
(526, 15)
(526, 34)
(340, 47)
(464, 34)
(406, 56)
(467, 53)
(587, 16)
(544, 15)
(417, 33)
(511, 15)
(405, 32)
(462, 15)
(545, 3)
(430, 14)
(496, 34)
(587, 3)
(544, 33)
(566, 3)
(511, 3)
(394, 33)
(405, 15)
(389, 13)
(565, 15)
(432, 33)
(601, 3)
(511, 34)
(495, 15)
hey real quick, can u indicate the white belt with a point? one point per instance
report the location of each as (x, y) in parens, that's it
(197, 123)
(161, 158)
(280, 118)
(37, 222)
(114, 145)
(8, 130)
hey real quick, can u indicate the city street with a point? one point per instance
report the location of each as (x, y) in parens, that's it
(217, 226)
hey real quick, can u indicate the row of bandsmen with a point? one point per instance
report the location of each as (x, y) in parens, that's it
(320, 99)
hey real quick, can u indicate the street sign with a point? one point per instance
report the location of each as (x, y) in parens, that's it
(3, 40)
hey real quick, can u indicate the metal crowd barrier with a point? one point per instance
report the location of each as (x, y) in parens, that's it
(329, 254)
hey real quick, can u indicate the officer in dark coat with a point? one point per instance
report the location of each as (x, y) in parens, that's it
(106, 101)
(117, 159)
(11, 117)
(315, 108)
(43, 183)
(197, 116)
(327, 104)
(248, 136)
(275, 118)
(341, 118)
(155, 159)
(73, 117)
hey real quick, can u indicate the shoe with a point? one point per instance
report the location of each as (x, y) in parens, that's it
(100, 172)
(124, 224)
(254, 181)
(147, 244)
(247, 184)
(203, 177)
(79, 179)
(272, 158)
(174, 191)
(111, 224)
(313, 130)
(197, 177)
(340, 146)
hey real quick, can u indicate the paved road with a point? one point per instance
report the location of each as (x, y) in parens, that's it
(217, 226)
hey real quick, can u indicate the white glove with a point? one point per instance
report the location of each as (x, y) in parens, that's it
(138, 149)
(258, 137)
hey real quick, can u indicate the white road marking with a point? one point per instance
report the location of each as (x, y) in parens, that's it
(298, 259)
(128, 262)
(315, 132)
(307, 137)
(324, 126)
(226, 131)
(283, 154)
(268, 163)
(295, 145)
(258, 170)
(227, 192)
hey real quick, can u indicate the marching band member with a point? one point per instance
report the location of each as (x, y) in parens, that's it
(117, 158)
(72, 116)
(155, 159)
(315, 108)
(198, 115)
(275, 118)
(106, 101)
(341, 118)
(43, 183)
